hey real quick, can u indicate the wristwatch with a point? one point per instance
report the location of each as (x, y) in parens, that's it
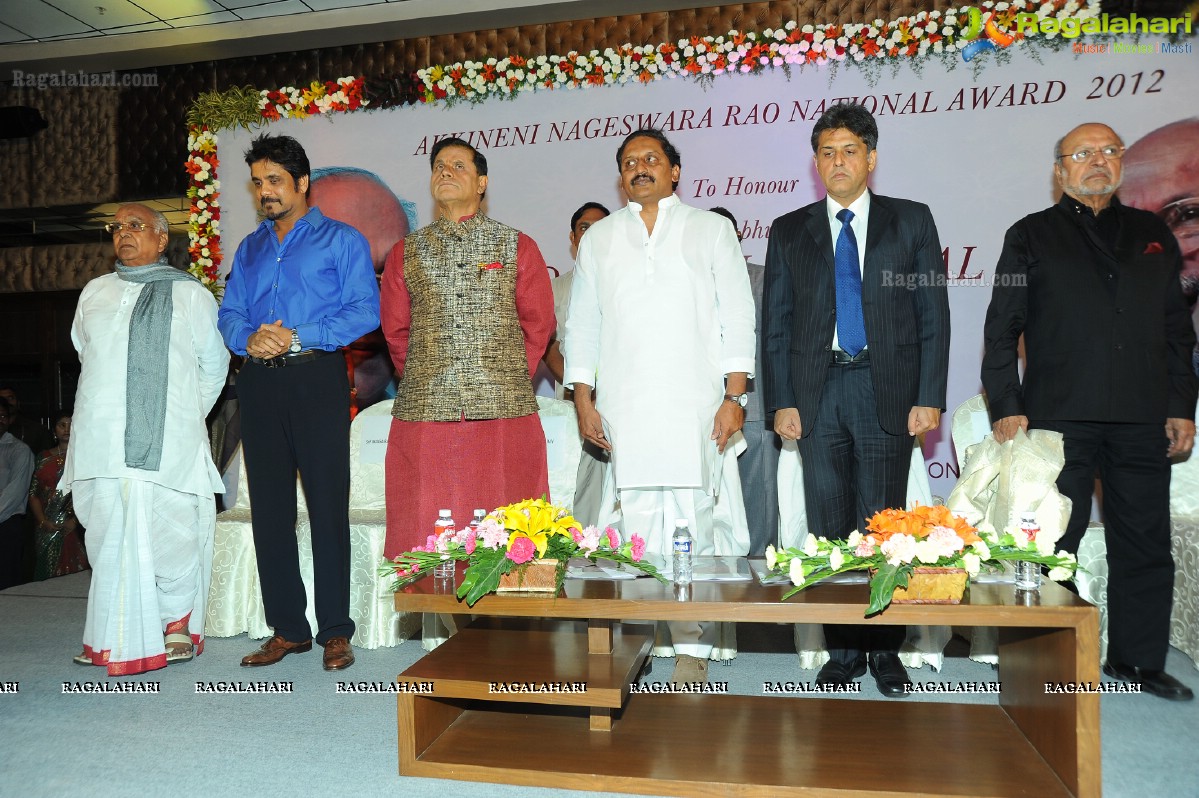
(296, 346)
(739, 399)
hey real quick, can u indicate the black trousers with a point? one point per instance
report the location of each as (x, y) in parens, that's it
(852, 468)
(12, 551)
(298, 417)
(1135, 473)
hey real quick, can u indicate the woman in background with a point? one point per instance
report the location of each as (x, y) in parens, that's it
(58, 539)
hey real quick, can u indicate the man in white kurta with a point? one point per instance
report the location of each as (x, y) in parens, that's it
(661, 315)
(141, 473)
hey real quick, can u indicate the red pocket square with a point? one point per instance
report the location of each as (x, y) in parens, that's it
(498, 265)
(1153, 248)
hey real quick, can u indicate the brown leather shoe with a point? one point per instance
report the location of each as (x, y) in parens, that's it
(338, 654)
(274, 650)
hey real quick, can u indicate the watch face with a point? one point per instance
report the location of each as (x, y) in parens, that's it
(295, 343)
(743, 399)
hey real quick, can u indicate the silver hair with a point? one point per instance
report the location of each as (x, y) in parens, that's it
(157, 219)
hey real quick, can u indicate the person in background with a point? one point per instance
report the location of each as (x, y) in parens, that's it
(58, 538)
(28, 431)
(16, 468)
(759, 463)
(592, 461)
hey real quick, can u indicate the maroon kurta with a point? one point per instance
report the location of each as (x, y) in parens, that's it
(463, 465)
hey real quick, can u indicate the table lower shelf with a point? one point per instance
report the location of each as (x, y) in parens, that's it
(729, 744)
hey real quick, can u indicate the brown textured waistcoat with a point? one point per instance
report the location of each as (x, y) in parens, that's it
(466, 350)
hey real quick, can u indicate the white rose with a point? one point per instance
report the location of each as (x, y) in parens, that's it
(928, 552)
(855, 537)
(836, 559)
(982, 550)
(972, 563)
(1059, 574)
(772, 557)
(809, 546)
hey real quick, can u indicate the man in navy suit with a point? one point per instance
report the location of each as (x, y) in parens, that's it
(855, 355)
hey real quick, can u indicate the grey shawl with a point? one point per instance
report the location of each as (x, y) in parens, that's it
(149, 354)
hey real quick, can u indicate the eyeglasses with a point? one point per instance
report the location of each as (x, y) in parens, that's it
(1182, 217)
(112, 228)
(651, 160)
(1112, 152)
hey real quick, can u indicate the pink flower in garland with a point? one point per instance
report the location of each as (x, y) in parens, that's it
(638, 547)
(469, 544)
(521, 550)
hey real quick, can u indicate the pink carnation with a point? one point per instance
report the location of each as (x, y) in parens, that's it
(575, 534)
(521, 550)
(469, 544)
(946, 540)
(613, 538)
(638, 547)
(493, 534)
(899, 549)
(866, 547)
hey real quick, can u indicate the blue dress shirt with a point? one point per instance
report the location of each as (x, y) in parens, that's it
(320, 281)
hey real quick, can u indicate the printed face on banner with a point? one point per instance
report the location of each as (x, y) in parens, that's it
(844, 163)
(456, 180)
(279, 195)
(1161, 175)
(1095, 174)
(361, 200)
(645, 171)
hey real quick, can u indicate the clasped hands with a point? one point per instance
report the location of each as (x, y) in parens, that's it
(271, 340)
(920, 420)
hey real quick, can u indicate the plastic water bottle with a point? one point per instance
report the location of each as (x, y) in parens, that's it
(445, 523)
(1028, 574)
(682, 544)
(477, 521)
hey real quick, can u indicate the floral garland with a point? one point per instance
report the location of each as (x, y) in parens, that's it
(927, 33)
(949, 34)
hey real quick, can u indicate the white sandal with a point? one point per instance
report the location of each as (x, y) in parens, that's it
(179, 656)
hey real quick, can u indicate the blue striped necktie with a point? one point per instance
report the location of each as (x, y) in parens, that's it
(851, 328)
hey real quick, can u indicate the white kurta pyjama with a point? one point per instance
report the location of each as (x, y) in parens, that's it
(149, 533)
(656, 321)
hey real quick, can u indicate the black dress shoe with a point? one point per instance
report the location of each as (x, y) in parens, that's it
(840, 673)
(1159, 683)
(889, 674)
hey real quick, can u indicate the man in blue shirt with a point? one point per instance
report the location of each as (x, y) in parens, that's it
(301, 286)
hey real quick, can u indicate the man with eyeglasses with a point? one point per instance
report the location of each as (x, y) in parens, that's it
(1093, 286)
(139, 465)
(1161, 174)
(661, 325)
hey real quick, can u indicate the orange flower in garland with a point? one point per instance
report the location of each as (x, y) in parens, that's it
(919, 522)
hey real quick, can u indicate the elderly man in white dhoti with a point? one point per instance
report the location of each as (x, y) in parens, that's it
(661, 324)
(139, 465)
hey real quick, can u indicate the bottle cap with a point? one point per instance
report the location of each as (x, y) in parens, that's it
(443, 513)
(480, 511)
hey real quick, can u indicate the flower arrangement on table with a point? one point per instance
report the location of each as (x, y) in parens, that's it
(899, 541)
(511, 538)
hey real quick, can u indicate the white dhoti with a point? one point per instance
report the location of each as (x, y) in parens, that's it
(151, 554)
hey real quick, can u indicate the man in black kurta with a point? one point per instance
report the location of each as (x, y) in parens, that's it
(1093, 287)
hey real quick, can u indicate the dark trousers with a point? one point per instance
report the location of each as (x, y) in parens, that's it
(852, 468)
(759, 467)
(12, 551)
(1135, 473)
(298, 417)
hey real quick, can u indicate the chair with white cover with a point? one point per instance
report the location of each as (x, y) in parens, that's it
(1184, 542)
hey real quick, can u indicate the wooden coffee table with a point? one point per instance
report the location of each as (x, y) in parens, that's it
(471, 720)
